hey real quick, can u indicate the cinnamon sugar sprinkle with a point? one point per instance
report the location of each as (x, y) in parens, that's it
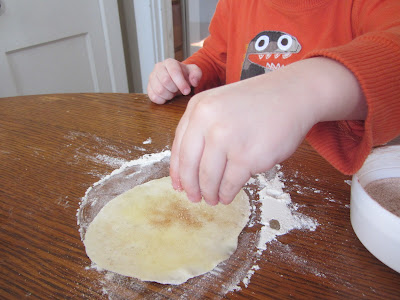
(386, 192)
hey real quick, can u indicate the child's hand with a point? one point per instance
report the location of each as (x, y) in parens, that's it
(171, 77)
(232, 132)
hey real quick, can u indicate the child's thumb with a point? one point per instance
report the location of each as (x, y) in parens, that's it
(194, 74)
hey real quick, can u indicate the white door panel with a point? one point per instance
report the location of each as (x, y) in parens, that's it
(54, 46)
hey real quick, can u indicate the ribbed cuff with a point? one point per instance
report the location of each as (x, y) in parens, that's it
(374, 59)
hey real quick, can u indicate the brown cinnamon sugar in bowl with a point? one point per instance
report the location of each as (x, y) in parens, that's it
(374, 210)
(386, 192)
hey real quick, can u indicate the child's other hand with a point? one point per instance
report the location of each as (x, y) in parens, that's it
(171, 77)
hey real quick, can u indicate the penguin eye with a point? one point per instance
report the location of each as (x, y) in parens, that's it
(262, 43)
(285, 42)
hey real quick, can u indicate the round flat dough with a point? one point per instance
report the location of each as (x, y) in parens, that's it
(154, 233)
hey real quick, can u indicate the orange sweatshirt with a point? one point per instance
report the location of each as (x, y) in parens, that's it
(251, 37)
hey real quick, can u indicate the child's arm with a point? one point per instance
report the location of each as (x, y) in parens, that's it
(229, 133)
(374, 58)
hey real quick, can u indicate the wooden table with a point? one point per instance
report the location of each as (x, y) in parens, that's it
(51, 150)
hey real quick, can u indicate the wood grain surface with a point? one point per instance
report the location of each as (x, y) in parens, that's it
(52, 149)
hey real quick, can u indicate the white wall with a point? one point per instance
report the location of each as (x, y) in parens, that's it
(198, 16)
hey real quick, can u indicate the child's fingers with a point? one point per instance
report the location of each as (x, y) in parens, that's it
(212, 167)
(164, 78)
(175, 152)
(234, 178)
(191, 150)
(153, 96)
(159, 89)
(174, 166)
(176, 146)
(175, 72)
(194, 74)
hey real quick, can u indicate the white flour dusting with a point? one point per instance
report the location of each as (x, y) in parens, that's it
(277, 205)
(90, 147)
(148, 141)
(139, 148)
(145, 160)
(109, 160)
(250, 273)
(272, 214)
(277, 215)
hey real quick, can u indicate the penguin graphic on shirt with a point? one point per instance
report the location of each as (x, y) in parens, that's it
(267, 51)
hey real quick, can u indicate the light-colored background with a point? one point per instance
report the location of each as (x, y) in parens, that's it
(93, 45)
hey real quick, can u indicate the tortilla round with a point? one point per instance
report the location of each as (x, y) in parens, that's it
(154, 233)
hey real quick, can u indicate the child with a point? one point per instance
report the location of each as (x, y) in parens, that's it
(274, 72)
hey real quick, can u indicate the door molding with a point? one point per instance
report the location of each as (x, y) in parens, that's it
(155, 37)
(112, 35)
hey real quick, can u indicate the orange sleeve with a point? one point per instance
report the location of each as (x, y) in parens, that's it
(374, 58)
(211, 58)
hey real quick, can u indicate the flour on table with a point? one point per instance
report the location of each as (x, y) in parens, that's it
(148, 141)
(97, 149)
(272, 214)
(109, 160)
(139, 148)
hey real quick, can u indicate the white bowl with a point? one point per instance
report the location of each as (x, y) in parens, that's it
(377, 228)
